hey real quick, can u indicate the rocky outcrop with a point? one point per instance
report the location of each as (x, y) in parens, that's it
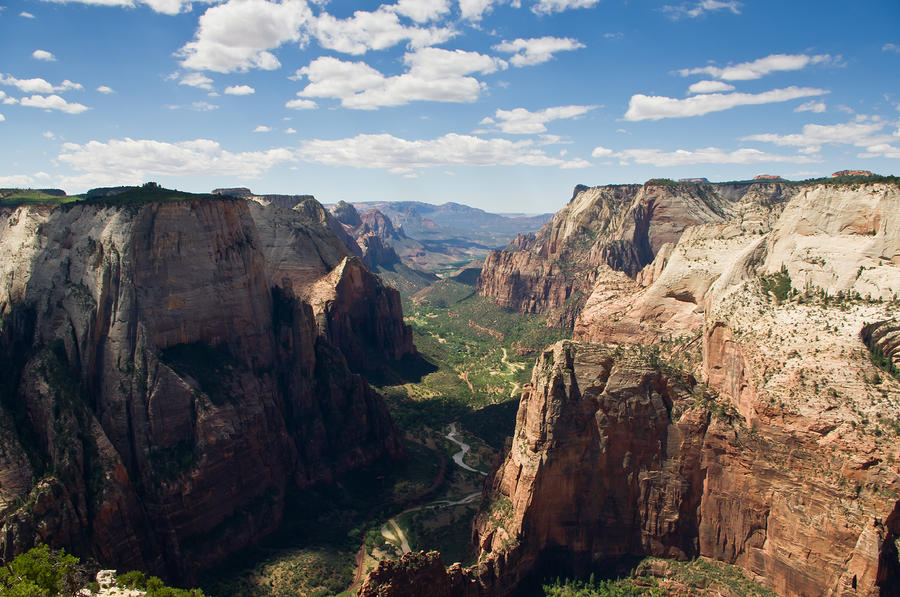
(354, 310)
(622, 227)
(163, 385)
(612, 456)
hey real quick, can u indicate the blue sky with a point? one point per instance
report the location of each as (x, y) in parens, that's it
(504, 105)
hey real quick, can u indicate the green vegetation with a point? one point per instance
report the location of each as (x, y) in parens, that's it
(314, 550)
(149, 193)
(17, 197)
(479, 356)
(45, 572)
(779, 284)
(654, 577)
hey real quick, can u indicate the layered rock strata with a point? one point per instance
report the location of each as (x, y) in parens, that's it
(163, 385)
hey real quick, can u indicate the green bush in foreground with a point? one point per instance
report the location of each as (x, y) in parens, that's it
(44, 572)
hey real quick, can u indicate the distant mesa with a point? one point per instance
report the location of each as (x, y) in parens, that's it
(840, 173)
(233, 192)
(695, 180)
(107, 192)
(767, 177)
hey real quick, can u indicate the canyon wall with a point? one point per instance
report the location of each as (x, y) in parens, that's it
(164, 383)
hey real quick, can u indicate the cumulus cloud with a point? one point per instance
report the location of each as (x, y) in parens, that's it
(422, 11)
(53, 102)
(128, 161)
(2, 117)
(692, 11)
(648, 107)
(262, 129)
(434, 74)
(16, 181)
(239, 90)
(301, 104)
(520, 121)
(169, 7)
(375, 30)
(746, 71)
(546, 7)
(402, 156)
(290, 131)
(813, 106)
(889, 47)
(602, 152)
(198, 80)
(710, 87)
(237, 35)
(43, 55)
(474, 10)
(26, 15)
(527, 52)
(105, 90)
(866, 134)
(706, 155)
(38, 85)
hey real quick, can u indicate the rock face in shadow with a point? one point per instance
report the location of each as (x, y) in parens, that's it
(163, 386)
(353, 309)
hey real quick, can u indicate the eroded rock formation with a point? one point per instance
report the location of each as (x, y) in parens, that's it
(163, 383)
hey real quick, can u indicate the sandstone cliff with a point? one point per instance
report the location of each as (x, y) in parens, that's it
(163, 385)
(613, 456)
(354, 310)
(622, 227)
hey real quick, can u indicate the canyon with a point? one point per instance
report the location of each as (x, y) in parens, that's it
(730, 393)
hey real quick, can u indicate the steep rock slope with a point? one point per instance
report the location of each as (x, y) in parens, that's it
(353, 308)
(614, 457)
(622, 227)
(160, 393)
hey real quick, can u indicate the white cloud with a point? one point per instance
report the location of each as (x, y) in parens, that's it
(601, 152)
(301, 104)
(647, 107)
(421, 11)
(53, 102)
(546, 7)
(527, 52)
(128, 161)
(692, 11)
(105, 90)
(709, 87)
(889, 47)
(290, 131)
(520, 121)
(16, 181)
(376, 30)
(38, 85)
(26, 15)
(239, 90)
(434, 75)
(867, 134)
(169, 7)
(474, 10)
(811, 106)
(262, 129)
(198, 80)
(706, 155)
(401, 156)
(746, 71)
(43, 55)
(237, 35)
(49, 135)
(2, 117)
(203, 107)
